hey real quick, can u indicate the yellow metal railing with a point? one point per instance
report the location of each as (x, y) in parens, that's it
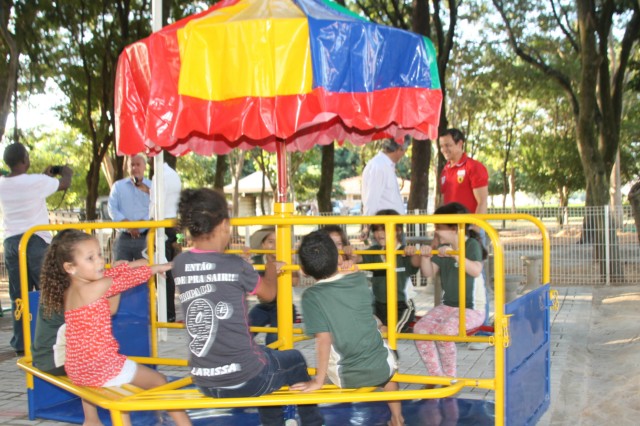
(284, 221)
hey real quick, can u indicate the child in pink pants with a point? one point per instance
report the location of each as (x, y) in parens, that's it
(439, 357)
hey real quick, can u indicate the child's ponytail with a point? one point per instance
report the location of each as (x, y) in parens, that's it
(201, 210)
(473, 234)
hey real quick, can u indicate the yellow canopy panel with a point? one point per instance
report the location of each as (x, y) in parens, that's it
(257, 49)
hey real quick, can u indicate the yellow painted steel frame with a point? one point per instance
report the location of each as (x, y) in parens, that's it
(172, 396)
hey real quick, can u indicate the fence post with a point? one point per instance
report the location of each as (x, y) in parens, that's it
(607, 246)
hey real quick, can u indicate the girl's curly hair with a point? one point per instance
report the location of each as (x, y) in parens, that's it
(54, 280)
(201, 210)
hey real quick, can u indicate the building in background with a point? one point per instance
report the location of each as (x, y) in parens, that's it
(249, 190)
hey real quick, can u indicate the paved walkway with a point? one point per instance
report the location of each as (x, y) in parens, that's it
(568, 325)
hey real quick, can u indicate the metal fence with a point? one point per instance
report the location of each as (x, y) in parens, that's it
(604, 252)
(577, 257)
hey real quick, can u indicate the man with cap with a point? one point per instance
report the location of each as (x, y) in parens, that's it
(380, 188)
(265, 314)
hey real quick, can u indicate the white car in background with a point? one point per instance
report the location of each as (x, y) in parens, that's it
(356, 209)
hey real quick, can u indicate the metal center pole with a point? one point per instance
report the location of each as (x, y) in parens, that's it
(284, 237)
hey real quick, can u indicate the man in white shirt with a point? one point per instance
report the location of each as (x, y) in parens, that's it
(171, 193)
(23, 200)
(380, 190)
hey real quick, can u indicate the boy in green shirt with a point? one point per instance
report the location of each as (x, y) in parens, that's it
(337, 310)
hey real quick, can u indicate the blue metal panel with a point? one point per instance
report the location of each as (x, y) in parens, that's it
(527, 361)
(131, 325)
(70, 411)
(450, 411)
(43, 395)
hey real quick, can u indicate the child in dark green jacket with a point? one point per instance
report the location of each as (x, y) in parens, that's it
(406, 266)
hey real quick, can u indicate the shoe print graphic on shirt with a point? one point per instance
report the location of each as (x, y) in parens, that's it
(201, 322)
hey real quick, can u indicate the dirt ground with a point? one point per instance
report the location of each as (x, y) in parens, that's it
(601, 382)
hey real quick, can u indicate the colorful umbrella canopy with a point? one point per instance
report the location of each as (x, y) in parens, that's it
(260, 73)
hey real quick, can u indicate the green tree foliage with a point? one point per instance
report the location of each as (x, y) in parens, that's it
(550, 163)
(93, 33)
(583, 47)
(347, 163)
(26, 39)
(630, 150)
(504, 104)
(630, 136)
(76, 43)
(304, 173)
(197, 170)
(65, 147)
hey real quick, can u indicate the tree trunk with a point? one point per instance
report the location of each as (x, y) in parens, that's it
(438, 199)
(563, 195)
(92, 179)
(634, 200)
(221, 171)
(8, 83)
(594, 160)
(263, 209)
(512, 188)
(119, 168)
(419, 193)
(431, 25)
(441, 163)
(326, 179)
(588, 225)
(98, 160)
(421, 150)
(109, 170)
(616, 192)
(606, 250)
(420, 166)
(237, 172)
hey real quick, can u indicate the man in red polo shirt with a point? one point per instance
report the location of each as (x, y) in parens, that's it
(463, 179)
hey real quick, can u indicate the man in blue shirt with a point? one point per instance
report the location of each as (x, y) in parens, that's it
(129, 201)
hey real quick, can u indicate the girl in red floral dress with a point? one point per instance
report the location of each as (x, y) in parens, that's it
(74, 281)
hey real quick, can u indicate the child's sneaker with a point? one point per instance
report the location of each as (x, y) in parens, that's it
(478, 346)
